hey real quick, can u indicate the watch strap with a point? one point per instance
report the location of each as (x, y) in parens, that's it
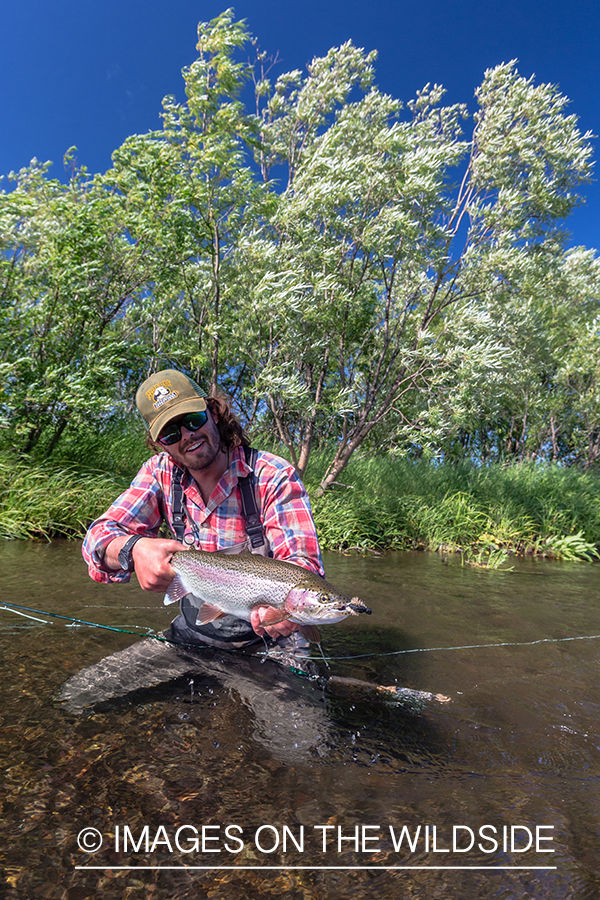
(125, 555)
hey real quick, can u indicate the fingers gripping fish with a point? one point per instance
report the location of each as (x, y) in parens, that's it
(236, 584)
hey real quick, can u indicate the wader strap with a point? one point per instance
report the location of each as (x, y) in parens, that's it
(178, 527)
(254, 528)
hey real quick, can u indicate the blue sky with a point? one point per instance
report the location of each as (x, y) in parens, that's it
(76, 72)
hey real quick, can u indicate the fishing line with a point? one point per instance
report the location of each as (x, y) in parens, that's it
(14, 607)
(583, 637)
(25, 616)
(109, 606)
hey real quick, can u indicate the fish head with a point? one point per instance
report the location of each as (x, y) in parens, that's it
(313, 602)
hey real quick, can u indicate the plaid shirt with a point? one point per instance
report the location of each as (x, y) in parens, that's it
(282, 499)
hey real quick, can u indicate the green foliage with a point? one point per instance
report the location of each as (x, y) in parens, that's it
(570, 547)
(385, 504)
(118, 445)
(188, 192)
(358, 273)
(40, 501)
(68, 273)
(482, 512)
(357, 523)
(382, 291)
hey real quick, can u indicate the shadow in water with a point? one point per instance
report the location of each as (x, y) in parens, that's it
(293, 718)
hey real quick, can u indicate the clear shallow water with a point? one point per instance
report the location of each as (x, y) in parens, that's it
(248, 746)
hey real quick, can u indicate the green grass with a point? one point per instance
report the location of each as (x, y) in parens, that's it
(384, 503)
(530, 509)
(43, 498)
(41, 501)
(118, 446)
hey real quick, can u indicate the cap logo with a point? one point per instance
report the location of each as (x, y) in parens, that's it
(161, 393)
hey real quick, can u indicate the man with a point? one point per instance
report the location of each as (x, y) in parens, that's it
(195, 485)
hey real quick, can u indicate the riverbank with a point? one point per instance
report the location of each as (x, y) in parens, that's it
(41, 501)
(485, 513)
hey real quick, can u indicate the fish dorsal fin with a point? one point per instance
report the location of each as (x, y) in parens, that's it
(208, 613)
(235, 550)
(175, 592)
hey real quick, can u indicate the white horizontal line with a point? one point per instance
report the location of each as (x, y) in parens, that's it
(315, 868)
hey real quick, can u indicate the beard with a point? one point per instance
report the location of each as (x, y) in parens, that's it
(206, 455)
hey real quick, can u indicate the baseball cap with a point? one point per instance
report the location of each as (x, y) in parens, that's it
(165, 396)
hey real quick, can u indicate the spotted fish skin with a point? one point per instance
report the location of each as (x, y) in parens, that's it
(234, 584)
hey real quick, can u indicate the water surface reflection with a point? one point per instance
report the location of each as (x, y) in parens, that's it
(517, 745)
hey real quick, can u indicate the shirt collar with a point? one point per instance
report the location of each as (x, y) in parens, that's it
(238, 468)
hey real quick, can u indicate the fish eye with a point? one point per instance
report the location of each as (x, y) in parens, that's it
(324, 598)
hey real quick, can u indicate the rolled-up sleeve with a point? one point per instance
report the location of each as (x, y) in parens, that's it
(136, 511)
(286, 514)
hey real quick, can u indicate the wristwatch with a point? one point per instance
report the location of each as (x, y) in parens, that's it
(125, 556)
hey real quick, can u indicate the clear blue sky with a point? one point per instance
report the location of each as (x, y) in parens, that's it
(77, 72)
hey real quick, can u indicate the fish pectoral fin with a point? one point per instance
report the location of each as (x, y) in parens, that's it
(310, 632)
(208, 613)
(273, 616)
(175, 592)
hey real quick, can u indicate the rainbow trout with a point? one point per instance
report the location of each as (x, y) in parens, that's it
(234, 584)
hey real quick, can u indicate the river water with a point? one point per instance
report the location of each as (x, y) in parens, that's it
(229, 765)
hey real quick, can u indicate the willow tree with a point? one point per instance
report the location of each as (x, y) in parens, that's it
(376, 277)
(189, 188)
(525, 408)
(391, 241)
(67, 276)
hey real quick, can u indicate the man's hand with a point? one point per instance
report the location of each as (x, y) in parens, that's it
(281, 629)
(152, 560)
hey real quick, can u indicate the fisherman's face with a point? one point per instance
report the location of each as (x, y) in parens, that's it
(197, 450)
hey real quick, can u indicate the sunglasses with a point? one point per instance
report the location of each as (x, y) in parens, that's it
(171, 433)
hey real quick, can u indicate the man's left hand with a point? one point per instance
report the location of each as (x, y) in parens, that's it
(281, 629)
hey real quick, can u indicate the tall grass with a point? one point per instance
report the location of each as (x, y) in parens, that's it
(117, 445)
(42, 501)
(393, 503)
(383, 503)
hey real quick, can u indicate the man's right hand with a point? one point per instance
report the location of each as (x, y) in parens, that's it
(152, 559)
